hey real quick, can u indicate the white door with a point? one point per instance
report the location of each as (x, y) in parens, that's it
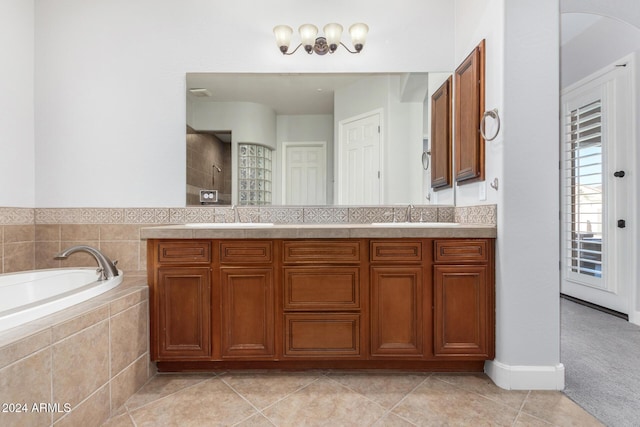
(359, 172)
(304, 173)
(595, 241)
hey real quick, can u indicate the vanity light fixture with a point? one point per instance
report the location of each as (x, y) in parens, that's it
(320, 45)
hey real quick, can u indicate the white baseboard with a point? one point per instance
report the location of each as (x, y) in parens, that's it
(525, 377)
(634, 317)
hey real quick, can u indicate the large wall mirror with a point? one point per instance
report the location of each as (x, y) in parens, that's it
(309, 139)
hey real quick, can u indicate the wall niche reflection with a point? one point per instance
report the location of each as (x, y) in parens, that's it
(208, 165)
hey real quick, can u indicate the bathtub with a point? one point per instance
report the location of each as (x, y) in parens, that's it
(30, 295)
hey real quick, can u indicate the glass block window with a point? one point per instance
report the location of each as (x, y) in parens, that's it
(254, 174)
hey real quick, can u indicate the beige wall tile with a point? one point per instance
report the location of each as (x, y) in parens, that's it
(27, 381)
(45, 253)
(119, 232)
(77, 324)
(128, 301)
(19, 256)
(127, 382)
(127, 253)
(19, 233)
(74, 232)
(93, 412)
(24, 347)
(47, 233)
(129, 336)
(81, 364)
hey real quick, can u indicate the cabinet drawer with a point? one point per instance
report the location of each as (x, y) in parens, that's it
(321, 288)
(184, 252)
(402, 251)
(246, 252)
(321, 251)
(460, 251)
(322, 335)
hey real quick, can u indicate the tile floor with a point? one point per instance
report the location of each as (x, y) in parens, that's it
(342, 399)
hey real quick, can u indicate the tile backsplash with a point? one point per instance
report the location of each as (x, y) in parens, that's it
(30, 238)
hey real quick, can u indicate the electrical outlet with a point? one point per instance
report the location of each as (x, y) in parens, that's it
(208, 196)
(482, 191)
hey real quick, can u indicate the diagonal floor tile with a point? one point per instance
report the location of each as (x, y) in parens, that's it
(386, 389)
(324, 403)
(558, 409)
(482, 384)
(265, 388)
(209, 403)
(163, 385)
(435, 402)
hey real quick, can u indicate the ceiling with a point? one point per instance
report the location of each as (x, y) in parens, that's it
(287, 94)
(574, 24)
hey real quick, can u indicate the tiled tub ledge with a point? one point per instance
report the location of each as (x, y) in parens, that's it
(80, 365)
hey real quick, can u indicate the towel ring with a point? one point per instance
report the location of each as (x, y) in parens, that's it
(494, 115)
(425, 159)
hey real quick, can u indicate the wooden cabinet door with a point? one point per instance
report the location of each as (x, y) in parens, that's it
(183, 322)
(248, 312)
(469, 106)
(462, 312)
(396, 311)
(441, 137)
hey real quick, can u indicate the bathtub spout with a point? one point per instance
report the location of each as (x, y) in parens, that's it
(107, 267)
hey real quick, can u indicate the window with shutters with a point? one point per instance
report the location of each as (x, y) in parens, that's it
(584, 191)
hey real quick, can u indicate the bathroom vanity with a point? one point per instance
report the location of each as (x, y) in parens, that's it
(321, 296)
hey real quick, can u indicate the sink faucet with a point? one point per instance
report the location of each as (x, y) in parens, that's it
(409, 210)
(236, 214)
(107, 268)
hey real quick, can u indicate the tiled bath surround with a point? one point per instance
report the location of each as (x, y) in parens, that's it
(29, 238)
(91, 357)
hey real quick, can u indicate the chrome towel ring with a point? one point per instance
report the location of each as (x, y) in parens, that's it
(494, 115)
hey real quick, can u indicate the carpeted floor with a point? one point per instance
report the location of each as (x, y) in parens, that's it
(601, 356)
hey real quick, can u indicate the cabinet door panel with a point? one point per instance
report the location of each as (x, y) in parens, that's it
(184, 313)
(247, 312)
(321, 251)
(246, 252)
(469, 106)
(318, 288)
(328, 335)
(462, 314)
(396, 251)
(184, 252)
(396, 311)
(441, 137)
(461, 251)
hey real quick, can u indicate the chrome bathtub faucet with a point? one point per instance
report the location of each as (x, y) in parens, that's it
(107, 268)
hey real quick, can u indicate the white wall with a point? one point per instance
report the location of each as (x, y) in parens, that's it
(110, 80)
(522, 83)
(601, 44)
(16, 104)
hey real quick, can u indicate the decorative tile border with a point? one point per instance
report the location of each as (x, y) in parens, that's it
(481, 214)
(16, 216)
